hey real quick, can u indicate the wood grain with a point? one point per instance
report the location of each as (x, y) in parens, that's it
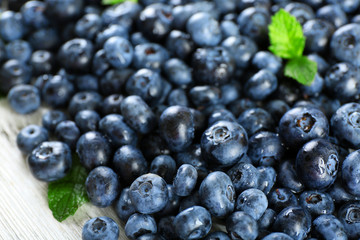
(24, 211)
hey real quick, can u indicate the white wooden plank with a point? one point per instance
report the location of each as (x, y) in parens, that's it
(24, 212)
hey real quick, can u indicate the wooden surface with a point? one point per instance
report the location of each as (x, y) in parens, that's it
(24, 211)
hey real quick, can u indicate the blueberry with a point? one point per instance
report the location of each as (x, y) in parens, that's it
(229, 28)
(152, 145)
(87, 120)
(232, 90)
(351, 173)
(177, 72)
(150, 55)
(267, 178)
(119, 52)
(166, 228)
(349, 216)
(288, 178)
(42, 62)
(224, 143)
(203, 96)
(240, 225)
(177, 127)
(61, 10)
(266, 60)
(50, 161)
(301, 124)
(301, 11)
(30, 137)
(317, 164)
(11, 25)
(318, 33)
(329, 227)
(180, 44)
(57, 91)
(281, 198)
(147, 84)
(122, 14)
(178, 97)
(52, 118)
(242, 49)
(164, 166)
(33, 13)
(253, 23)
(349, 6)
(252, 202)
(129, 163)
(150, 236)
(13, 72)
(185, 180)
(88, 26)
(67, 132)
(76, 55)
(102, 186)
(277, 108)
(204, 29)
(212, 66)
(155, 21)
(244, 176)
(221, 115)
(255, 120)
(193, 223)
(240, 105)
(24, 99)
(18, 49)
(217, 194)
(316, 203)
(265, 149)
(294, 221)
(267, 219)
(333, 14)
(86, 100)
(111, 104)
(342, 81)
(137, 114)
(149, 193)
(140, 224)
(100, 228)
(345, 43)
(93, 149)
(99, 63)
(322, 65)
(345, 124)
(123, 205)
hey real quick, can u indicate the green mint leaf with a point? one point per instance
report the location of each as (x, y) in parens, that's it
(301, 69)
(286, 36)
(113, 2)
(66, 195)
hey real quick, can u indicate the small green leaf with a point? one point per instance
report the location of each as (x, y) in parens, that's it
(301, 69)
(286, 36)
(66, 195)
(113, 2)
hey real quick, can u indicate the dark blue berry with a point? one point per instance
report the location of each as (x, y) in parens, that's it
(24, 99)
(102, 186)
(30, 137)
(100, 228)
(140, 224)
(50, 161)
(240, 225)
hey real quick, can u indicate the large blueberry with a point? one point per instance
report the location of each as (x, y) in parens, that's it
(93, 149)
(349, 216)
(329, 227)
(30, 137)
(253, 202)
(217, 194)
(149, 193)
(50, 161)
(351, 173)
(301, 124)
(100, 228)
(317, 164)
(140, 224)
(193, 223)
(177, 127)
(240, 225)
(24, 99)
(102, 186)
(224, 143)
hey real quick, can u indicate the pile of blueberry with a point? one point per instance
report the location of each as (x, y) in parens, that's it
(184, 119)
